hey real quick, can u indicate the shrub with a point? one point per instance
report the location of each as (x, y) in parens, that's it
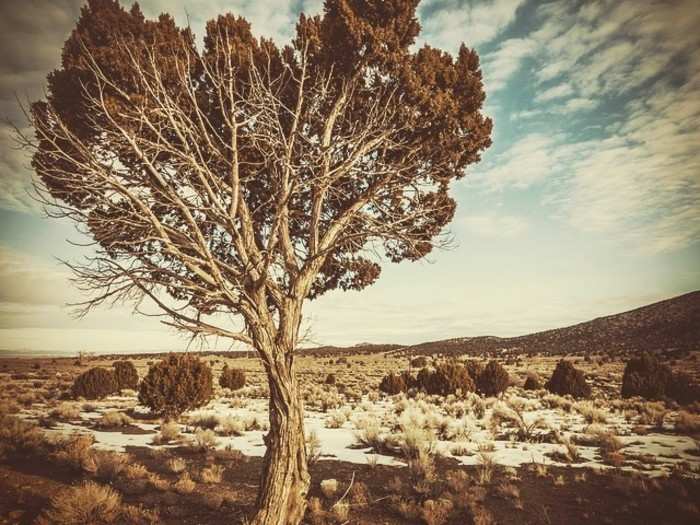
(19, 437)
(568, 380)
(212, 474)
(95, 383)
(329, 487)
(114, 418)
(232, 378)
(419, 362)
(446, 379)
(532, 382)
(169, 431)
(205, 440)
(178, 383)
(392, 384)
(126, 375)
(86, 503)
(330, 379)
(645, 376)
(474, 368)
(683, 390)
(493, 380)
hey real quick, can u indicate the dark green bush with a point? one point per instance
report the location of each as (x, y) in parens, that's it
(445, 379)
(392, 384)
(474, 368)
(493, 379)
(568, 380)
(178, 383)
(419, 362)
(532, 382)
(95, 383)
(646, 377)
(683, 390)
(233, 378)
(126, 374)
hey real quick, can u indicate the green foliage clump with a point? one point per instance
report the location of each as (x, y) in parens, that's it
(568, 380)
(474, 368)
(532, 382)
(493, 379)
(445, 379)
(393, 384)
(126, 374)
(683, 390)
(232, 378)
(647, 377)
(178, 383)
(95, 383)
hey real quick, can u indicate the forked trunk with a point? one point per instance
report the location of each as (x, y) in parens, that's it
(285, 477)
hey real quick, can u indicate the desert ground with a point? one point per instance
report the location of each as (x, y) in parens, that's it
(525, 456)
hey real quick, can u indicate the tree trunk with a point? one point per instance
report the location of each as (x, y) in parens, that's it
(285, 477)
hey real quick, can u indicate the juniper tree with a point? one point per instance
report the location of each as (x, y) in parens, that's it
(242, 178)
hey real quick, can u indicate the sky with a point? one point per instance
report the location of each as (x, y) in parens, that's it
(587, 203)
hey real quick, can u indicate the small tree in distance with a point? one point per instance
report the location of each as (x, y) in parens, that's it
(178, 383)
(126, 374)
(232, 378)
(95, 383)
(244, 178)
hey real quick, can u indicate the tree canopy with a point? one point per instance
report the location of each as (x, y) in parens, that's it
(246, 174)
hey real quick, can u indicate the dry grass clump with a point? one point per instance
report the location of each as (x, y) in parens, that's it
(511, 414)
(652, 413)
(83, 504)
(76, 452)
(66, 412)
(452, 498)
(369, 434)
(135, 471)
(212, 474)
(359, 494)
(687, 422)
(169, 432)
(176, 465)
(184, 485)
(205, 421)
(104, 464)
(340, 511)
(329, 487)
(19, 437)
(590, 413)
(486, 468)
(336, 419)
(313, 447)
(114, 418)
(231, 426)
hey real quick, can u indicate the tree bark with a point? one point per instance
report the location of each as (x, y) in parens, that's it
(285, 478)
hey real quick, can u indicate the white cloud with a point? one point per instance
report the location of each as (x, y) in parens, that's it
(16, 188)
(502, 64)
(446, 24)
(495, 226)
(555, 92)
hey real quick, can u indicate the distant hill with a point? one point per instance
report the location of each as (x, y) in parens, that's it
(673, 324)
